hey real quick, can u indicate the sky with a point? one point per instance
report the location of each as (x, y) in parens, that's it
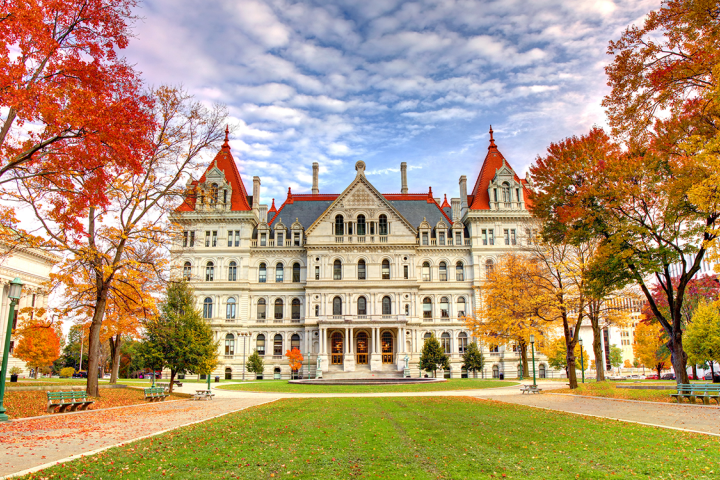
(385, 81)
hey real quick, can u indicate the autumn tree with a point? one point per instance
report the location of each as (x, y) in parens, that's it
(556, 352)
(616, 356)
(650, 346)
(295, 359)
(120, 235)
(255, 364)
(432, 356)
(38, 343)
(473, 359)
(702, 336)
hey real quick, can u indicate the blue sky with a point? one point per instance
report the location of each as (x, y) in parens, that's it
(385, 81)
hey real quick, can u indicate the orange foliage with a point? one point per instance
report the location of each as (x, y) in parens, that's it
(39, 344)
(295, 359)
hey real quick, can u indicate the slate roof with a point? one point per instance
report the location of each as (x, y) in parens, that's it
(305, 211)
(415, 210)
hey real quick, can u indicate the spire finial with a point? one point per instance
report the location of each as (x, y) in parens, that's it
(226, 144)
(492, 140)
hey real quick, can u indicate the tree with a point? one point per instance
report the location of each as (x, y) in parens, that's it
(702, 336)
(38, 344)
(255, 364)
(650, 346)
(432, 356)
(295, 359)
(616, 356)
(556, 352)
(179, 338)
(627, 364)
(67, 372)
(473, 359)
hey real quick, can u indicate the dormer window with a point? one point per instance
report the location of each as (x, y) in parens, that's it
(506, 192)
(339, 225)
(383, 225)
(214, 193)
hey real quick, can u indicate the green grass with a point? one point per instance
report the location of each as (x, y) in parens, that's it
(610, 390)
(415, 438)
(282, 386)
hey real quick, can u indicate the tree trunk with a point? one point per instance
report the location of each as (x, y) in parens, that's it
(694, 369)
(659, 370)
(712, 373)
(172, 379)
(679, 358)
(115, 357)
(94, 345)
(598, 350)
(524, 360)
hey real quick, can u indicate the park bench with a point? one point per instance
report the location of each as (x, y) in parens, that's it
(68, 401)
(166, 385)
(157, 393)
(691, 391)
(530, 389)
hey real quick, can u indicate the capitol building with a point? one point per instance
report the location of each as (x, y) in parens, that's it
(356, 280)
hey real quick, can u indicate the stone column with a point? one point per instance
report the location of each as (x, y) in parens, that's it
(375, 357)
(349, 358)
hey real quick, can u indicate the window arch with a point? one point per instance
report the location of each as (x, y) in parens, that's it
(261, 309)
(230, 308)
(187, 271)
(207, 307)
(427, 307)
(339, 225)
(541, 370)
(444, 307)
(489, 267)
(209, 272)
(459, 272)
(214, 193)
(386, 269)
(362, 306)
(460, 307)
(262, 273)
(337, 306)
(228, 373)
(362, 270)
(443, 272)
(229, 344)
(232, 272)
(426, 271)
(278, 345)
(296, 272)
(337, 270)
(295, 342)
(495, 371)
(462, 342)
(260, 344)
(427, 336)
(279, 273)
(386, 306)
(295, 313)
(361, 225)
(279, 309)
(383, 225)
(445, 342)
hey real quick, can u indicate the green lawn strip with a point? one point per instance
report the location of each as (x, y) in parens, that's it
(282, 386)
(610, 390)
(405, 437)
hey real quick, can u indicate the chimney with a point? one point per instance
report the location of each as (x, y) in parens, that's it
(256, 193)
(263, 213)
(463, 192)
(316, 173)
(403, 175)
(455, 208)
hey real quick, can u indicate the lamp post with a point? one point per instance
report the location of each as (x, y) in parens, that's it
(532, 346)
(14, 295)
(582, 362)
(244, 336)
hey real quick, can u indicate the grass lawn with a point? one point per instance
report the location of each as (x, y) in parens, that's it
(415, 438)
(608, 389)
(282, 386)
(34, 403)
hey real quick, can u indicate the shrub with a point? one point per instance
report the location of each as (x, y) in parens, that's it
(15, 371)
(67, 372)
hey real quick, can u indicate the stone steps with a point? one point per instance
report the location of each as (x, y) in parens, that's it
(362, 373)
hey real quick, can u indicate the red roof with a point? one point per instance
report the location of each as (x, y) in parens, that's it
(479, 198)
(226, 163)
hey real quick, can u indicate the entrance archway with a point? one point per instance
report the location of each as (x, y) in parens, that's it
(387, 347)
(361, 347)
(336, 345)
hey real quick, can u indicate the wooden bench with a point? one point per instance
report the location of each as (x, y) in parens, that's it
(68, 401)
(530, 389)
(157, 393)
(692, 391)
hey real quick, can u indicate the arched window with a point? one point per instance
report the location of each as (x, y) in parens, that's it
(337, 270)
(443, 272)
(209, 272)
(278, 309)
(386, 269)
(383, 225)
(230, 308)
(295, 342)
(362, 274)
(506, 192)
(187, 271)
(260, 344)
(361, 225)
(460, 307)
(262, 273)
(427, 336)
(207, 307)
(279, 271)
(337, 306)
(214, 193)
(462, 342)
(426, 272)
(427, 307)
(489, 267)
(444, 307)
(296, 272)
(277, 345)
(445, 342)
(261, 309)
(459, 272)
(541, 370)
(228, 373)
(495, 371)
(232, 272)
(386, 306)
(339, 225)
(362, 306)
(295, 309)
(229, 344)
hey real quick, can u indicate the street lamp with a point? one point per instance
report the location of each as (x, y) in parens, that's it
(244, 336)
(582, 362)
(532, 346)
(14, 295)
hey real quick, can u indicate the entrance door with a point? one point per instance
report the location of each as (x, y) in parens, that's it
(387, 347)
(361, 347)
(336, 343)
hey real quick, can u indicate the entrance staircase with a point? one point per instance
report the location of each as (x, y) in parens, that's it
(363, 371)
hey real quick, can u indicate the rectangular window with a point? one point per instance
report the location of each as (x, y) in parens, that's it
(279, 273)
(296, 239)
(214, 238)
(207, 238)
(372, 228)
(280, 240)
(261, 346)
(237, 238)
(517, 191)
(458, 238)
(185, 239)
(491, 236)
(192, 239)
(277, 347)
(495, 194)
(263, 240)
(484, 236)
(506, 234)
(406, 272)
(317, 272)
(441, 238)
(230, 238)
(513, 237)
(425, 238)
